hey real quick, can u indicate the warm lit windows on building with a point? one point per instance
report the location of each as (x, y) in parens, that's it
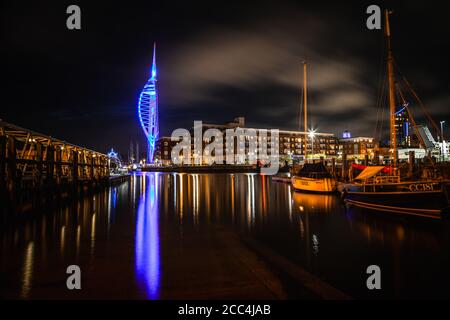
(288, 143)
(402, 128)
(357, 147)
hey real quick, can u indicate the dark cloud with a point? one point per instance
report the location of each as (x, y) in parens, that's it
(259, 59)
(216, 61)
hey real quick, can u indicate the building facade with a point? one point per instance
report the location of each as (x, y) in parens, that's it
(291, 145)
(358, 147)
(163, 151)
(402, 128)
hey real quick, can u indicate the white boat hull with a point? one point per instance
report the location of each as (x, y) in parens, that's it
(322, 185)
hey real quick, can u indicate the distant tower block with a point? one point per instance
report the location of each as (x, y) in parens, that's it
(346, 135)
(148, 110)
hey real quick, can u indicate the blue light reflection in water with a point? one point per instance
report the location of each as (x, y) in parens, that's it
(147, 263)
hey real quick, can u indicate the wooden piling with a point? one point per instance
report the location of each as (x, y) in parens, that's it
(333, 166)
(376, 157)
(74, 181)
(411, 160)
(2, 163)
(344, 167)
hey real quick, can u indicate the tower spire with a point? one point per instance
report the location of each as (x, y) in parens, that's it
(154, 62)
(148, 110)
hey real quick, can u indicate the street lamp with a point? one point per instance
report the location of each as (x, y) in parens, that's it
(442, 139)
(311, 134)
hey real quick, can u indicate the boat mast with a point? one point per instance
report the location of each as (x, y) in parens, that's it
(305, 108)
(390, 72)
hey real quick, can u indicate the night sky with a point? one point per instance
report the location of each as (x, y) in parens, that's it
(216, 60)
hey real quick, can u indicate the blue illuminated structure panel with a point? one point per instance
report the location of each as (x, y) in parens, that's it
(148, 110)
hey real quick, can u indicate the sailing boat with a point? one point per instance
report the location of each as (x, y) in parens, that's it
(312, 177)
(387, 192)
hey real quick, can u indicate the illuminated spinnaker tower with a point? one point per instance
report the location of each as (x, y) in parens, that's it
(148, 110)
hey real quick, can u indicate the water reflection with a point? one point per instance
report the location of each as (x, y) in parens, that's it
(147, 262)
(123, 224)
(63, 238)
(315, 240)
(77, 252)
(313, 203)
(93, 234)
(250, 200)
(27, 273)
(196, 198)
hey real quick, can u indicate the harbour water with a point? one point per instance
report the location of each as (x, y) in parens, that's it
(180, 236)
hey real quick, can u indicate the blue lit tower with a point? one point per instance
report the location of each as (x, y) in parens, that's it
(148, 110)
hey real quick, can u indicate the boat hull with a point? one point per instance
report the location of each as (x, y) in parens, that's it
(323, 185)
(425, 199)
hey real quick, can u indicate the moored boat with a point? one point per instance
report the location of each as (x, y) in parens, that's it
(373, 190)
(381, 188)
(314, 177)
